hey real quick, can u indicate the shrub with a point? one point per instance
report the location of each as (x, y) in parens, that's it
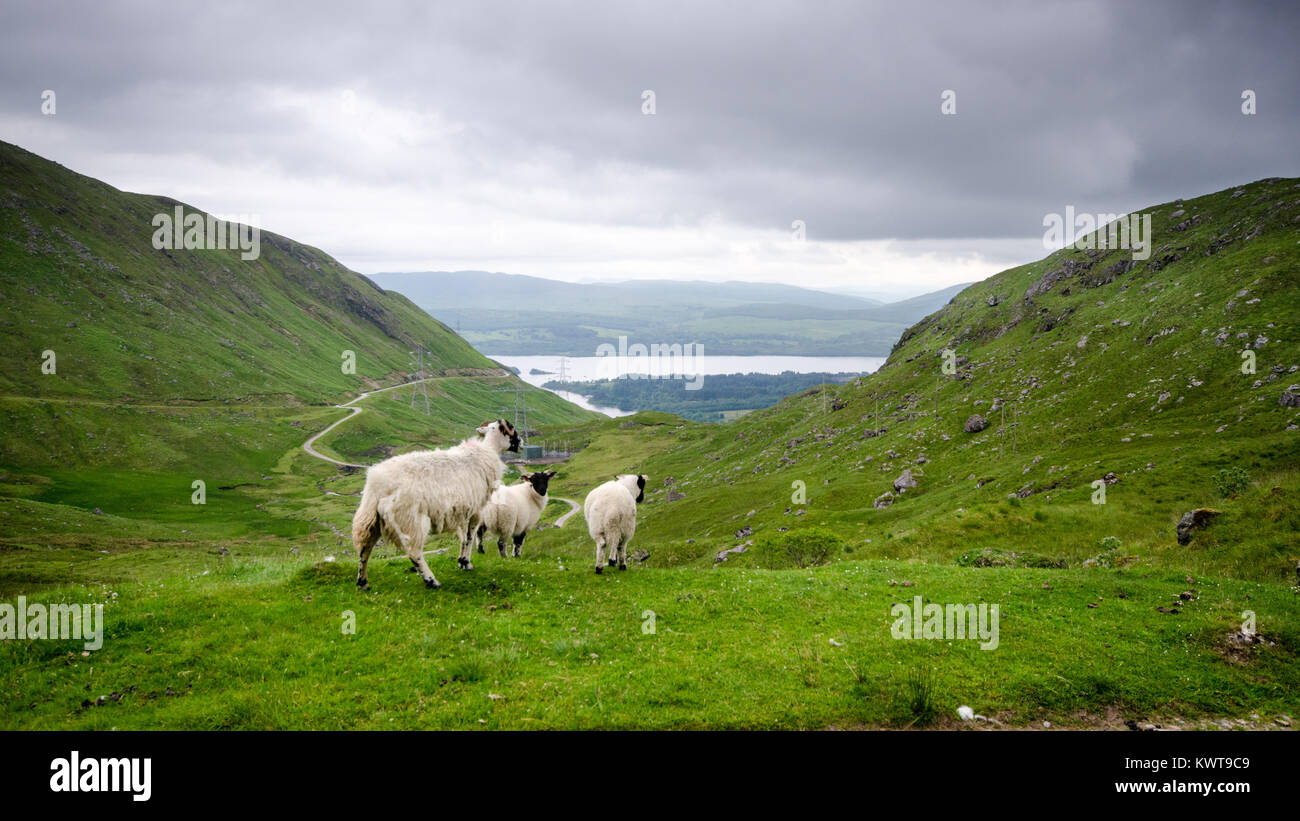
(805, 547)
(1112, 554)
(1230, 481)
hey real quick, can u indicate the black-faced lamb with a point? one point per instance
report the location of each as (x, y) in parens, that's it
(512, 511)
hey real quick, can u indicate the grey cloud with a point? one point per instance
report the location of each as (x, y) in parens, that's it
(770, 112)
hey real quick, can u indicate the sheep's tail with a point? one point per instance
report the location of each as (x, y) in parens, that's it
(366, 524)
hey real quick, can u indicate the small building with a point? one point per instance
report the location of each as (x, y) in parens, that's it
(530, 453)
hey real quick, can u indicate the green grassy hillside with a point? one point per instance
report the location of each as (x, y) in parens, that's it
(79, 276)
(242, 612)
(1110, 366)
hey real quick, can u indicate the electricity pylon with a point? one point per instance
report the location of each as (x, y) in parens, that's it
(419, 386)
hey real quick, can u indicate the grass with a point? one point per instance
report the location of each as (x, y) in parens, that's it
(258, 642)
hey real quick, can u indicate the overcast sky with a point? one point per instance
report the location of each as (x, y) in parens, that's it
(511, 137)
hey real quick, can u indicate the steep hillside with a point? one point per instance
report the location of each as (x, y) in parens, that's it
(1086, 366)
(170, 364)
(79, 276)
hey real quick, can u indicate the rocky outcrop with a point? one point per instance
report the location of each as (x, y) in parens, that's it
(975, 423)
(1290, 397)
(1192, 521)
(904, 481)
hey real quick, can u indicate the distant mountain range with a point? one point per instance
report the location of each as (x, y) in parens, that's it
(515, 314)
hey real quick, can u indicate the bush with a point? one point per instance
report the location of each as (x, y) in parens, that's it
(805, 547)
(1112, 554)
(1230, 481)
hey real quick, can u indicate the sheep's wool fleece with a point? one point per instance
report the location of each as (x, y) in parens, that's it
(448, 486)
(610, 511)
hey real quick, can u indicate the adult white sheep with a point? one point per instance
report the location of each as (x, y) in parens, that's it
(610, 511)
(440, 490)
(513, 511)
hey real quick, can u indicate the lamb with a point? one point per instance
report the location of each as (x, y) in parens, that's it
(513, 511)
(610, 511)
(408, 495)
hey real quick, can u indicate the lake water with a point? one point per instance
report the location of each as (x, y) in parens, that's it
(687, 367)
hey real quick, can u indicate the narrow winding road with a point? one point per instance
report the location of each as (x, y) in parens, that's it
(354, 409)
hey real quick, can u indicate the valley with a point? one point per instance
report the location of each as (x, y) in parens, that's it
(777, 543)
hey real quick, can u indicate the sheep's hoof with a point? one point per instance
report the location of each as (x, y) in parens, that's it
(613, 562)
(432, 584)
(517, 554)
(599, 568)
(622, 566)
(363, 586)
(466, 564)
(480, 548)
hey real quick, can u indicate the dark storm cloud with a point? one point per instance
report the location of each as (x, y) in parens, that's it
(767, 113)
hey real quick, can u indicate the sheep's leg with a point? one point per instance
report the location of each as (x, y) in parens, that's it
(622, 554)
(422, 567)
(600, 554)
(465, 548)
(478, 535)
(414, 545)
(519, 543)
(368, 542)
(501, 546)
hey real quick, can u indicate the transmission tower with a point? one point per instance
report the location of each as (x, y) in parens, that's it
(419, 386)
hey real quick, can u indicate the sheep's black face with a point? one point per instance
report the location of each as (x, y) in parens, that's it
(640, 489)
(540, 480)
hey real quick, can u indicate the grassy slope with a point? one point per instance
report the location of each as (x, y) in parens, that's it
(251, 637)
(1083, 411)
(79, 276)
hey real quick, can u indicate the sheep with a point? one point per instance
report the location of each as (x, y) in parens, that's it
(513, 511)
(610, 511)
(408, 495)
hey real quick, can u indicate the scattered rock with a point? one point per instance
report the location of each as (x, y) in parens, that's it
(724, 554)
(883, 500)
(904, 481)
(1290, 398)
(674, 496)
(1192, 521)
(975, 424)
